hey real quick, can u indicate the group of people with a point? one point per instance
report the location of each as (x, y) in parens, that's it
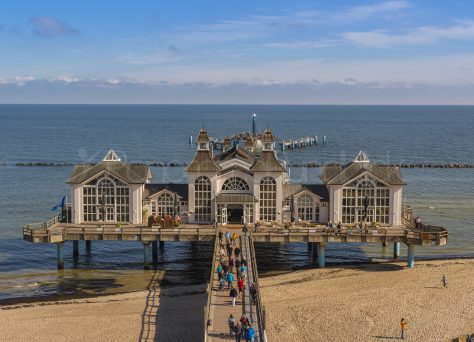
(160, 219)
(232, 274)
(241, 329)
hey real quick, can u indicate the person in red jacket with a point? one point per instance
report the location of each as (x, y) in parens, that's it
(241, 286)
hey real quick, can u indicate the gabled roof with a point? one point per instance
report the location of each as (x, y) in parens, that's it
(267, 163)
(131, 174)
(180, 189)
(203, 162)
(235, 152)
(339, 175)
(111, 156)
(235, 168)
(319, 190)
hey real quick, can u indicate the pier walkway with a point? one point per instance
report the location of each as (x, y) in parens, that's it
(220, 303)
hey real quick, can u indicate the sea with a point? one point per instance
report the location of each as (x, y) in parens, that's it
(160, 133)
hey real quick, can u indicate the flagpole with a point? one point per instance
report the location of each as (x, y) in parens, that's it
(67, 213)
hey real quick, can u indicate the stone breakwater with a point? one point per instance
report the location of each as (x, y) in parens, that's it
(310, 164)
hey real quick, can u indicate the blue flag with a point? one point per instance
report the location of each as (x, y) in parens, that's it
(60, 204)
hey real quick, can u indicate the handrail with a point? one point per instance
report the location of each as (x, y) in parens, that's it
(209, 287)
(259, 303)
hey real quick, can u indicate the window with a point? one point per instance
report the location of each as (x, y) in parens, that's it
(164, 204)
(366, 194)
(235, 184)
(106, 199)
(248, 213)
(305, 207)
(202, 199)
(268, 199)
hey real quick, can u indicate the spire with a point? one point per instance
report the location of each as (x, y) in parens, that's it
(361, 158)
(268, 140)
(203, 140)
(111, 156)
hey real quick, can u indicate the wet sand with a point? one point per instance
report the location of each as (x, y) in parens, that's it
(366, 302)
(168, 314)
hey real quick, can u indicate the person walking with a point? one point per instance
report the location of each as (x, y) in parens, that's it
(245, 230)
(237, 252)
(250, 336)
(231, 322)
(417, 222)
(222, 284)
(240, 285)
(234, 238)
(238, 332)
(403, 327)
(233, 294)
(445, 281)
(220, 271)
(220, 238)
(230, 280)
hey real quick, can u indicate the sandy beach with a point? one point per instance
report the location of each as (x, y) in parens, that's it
(169, 314)
(366, 303)
(353, 303)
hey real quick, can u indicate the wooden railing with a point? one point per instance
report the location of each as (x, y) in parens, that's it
(259, 303)
(207, 308)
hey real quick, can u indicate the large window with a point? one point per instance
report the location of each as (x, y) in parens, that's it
(366, 199)
(268, 199)
(202, 200)
(235, 184)
(305, 207)
(106, 199)
(164, 204)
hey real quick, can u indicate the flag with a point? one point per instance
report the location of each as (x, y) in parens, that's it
(60, 204)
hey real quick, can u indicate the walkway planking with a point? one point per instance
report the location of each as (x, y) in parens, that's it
(221, 303)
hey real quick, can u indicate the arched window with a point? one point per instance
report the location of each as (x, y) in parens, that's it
(164, 204)
(202, 199)
(305, 207)
(106, 199)
(235, 184)
(268, 199)
(366, 199)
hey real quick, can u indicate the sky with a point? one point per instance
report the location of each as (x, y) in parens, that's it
(279, 51)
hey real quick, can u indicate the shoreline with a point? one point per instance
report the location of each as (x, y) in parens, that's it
(7, 303)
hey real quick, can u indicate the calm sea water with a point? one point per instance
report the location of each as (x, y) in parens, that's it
(160, 133)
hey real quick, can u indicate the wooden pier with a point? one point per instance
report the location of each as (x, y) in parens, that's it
(296, 143)
(219, 304)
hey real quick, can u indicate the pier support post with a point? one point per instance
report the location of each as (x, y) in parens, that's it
(88, 246)
(411, 256)
(396, 250)
(75, 250)
(146, 255)
(162, 246)
(322, 255)
(60, 255)
(154, 250)
(315, 250)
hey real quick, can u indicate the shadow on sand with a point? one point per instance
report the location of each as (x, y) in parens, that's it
(173, 313)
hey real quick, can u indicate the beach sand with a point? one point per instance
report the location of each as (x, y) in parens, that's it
(366, 303)
(123, 317)
(353, 303)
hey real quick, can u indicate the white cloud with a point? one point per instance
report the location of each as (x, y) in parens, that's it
(47, 27)
(303, 45)
(417, 36)
(150, 59)
(366, 11)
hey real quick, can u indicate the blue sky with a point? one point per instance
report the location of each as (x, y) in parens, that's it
(240, 51)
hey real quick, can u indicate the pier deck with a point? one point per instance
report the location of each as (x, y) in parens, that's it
(220, 304)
